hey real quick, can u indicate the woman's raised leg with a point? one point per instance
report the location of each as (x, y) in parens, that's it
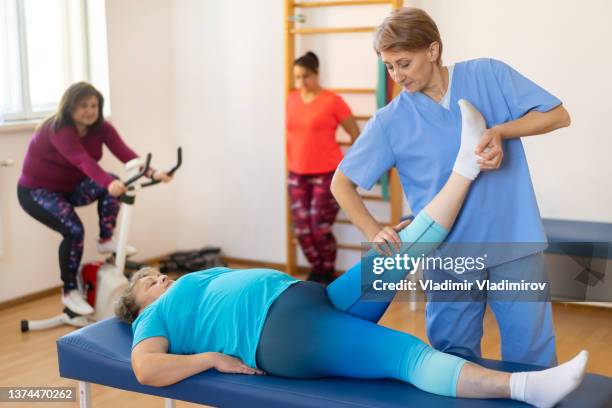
(428, 230)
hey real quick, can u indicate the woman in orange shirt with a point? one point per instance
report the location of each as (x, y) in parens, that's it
(313, 116)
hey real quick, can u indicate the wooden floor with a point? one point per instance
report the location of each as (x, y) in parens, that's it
(30, 359)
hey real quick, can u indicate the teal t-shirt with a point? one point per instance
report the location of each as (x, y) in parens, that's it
(217, 310)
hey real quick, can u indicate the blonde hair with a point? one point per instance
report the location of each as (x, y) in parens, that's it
(407, 29)
(127, 308)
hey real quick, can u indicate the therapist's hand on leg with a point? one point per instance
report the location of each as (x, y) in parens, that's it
(490, 149)
(387, 241)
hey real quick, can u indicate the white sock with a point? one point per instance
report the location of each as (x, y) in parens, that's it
(472, 127)
(547, 387)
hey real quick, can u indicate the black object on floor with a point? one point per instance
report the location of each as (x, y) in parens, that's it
(191, 261)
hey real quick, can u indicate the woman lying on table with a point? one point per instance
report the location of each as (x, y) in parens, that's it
(261, 320)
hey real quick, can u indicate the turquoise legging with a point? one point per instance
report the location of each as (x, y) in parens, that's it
(313, 332)
(348, 294)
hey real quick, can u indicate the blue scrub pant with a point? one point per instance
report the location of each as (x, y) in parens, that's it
(526, 327)
(312, 332)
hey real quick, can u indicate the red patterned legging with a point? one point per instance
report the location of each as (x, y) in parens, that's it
(314, 211)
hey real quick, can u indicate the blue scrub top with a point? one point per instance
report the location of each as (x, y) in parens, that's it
(219, 309)
(421, 139)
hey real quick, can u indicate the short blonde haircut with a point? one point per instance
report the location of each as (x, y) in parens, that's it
(407, 29)
(127, 308)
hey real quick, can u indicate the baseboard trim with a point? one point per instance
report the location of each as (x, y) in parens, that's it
(28, 298)
(302, 270)
(591, 304)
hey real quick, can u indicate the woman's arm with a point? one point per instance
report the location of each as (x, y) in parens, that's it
(116, 144)
(345, 192)
(153, 365)
(350, 126)
(535, 123)
(531, 124)
(123, 152)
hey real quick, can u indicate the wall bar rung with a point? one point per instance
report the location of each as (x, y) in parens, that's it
(348, 222)
(353, 90)
(331, 30)
(372, 197)
(363, 117)
(349, 90)
(311, 4)
(350, 247)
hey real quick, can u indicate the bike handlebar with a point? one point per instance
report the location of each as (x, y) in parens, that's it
(179, 161)
(141, 173)
(146, 168)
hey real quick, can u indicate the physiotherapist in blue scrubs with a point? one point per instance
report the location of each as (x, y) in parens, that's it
(418, 133)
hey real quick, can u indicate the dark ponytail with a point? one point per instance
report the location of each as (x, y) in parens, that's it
(309, 61)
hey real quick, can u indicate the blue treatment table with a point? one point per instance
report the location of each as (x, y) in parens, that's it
(100, 354)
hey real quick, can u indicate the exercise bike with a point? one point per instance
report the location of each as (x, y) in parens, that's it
(103, 283)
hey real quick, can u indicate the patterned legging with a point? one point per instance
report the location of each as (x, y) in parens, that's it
(56, 210)
(314, 211)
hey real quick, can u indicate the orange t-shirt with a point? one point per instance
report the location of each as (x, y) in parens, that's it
(311, 132)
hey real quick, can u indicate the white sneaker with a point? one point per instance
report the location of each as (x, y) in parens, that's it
(75, 302)
(110, 246)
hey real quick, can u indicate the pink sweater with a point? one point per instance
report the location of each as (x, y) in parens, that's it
(58, 161)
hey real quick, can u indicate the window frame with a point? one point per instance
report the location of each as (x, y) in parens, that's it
(27, 113)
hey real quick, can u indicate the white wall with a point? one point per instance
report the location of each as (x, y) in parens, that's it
(229, 117)
(142, 83)
(141, 72)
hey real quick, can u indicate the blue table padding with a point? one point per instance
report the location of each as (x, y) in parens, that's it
(565, 237)
(100, 354)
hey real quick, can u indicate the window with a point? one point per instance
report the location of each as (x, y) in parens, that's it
(46, 45)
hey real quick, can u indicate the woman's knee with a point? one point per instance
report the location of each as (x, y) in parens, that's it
(75, 231)
(433, 371)
(322, 231)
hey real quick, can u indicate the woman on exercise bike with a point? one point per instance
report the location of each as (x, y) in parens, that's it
(61, 171)
(261, 320)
